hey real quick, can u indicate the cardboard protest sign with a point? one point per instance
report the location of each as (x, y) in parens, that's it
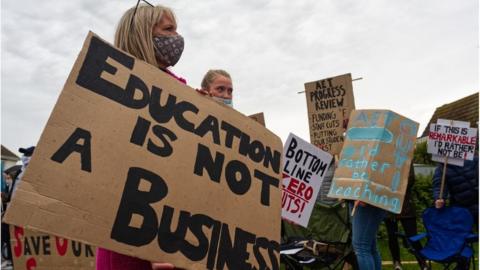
(41, 251)
(451, 141)
(136, 162)
(329, 103)
(259, 117)
(375, 160)
(304, 166)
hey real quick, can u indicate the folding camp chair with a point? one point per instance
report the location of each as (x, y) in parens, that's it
(449, 237)
(326, 244)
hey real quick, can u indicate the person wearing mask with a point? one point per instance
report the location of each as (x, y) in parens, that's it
(149, 33)
(217, 83)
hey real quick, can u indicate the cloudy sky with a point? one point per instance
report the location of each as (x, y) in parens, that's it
(413, 55)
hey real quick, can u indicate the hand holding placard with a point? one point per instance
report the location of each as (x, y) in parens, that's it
(451, 142)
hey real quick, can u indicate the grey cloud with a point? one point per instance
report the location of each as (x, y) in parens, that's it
(413, 55)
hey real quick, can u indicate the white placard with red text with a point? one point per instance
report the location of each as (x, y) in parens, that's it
(304, 166)
(454, 139)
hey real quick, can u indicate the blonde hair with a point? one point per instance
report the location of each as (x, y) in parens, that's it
(211, 75)
(136, 37)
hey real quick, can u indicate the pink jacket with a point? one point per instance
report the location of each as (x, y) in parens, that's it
(110, 260)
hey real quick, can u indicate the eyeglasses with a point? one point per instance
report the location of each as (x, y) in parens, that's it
(135, 11)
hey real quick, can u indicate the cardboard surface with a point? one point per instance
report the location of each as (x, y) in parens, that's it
(452, 139)
(40, 251)
(304, 167)
(375, 160)
(329, 103)
(259, 117)
(136, 162)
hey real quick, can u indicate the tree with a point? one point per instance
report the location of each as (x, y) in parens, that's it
(420, 155)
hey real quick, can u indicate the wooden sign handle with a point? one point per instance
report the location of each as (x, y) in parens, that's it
(442, 185)
(355, 205)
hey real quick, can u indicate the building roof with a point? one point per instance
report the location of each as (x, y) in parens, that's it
(8, 155)
(464, 109)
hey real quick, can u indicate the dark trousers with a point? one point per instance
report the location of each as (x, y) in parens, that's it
(6, 240)
(409, 226)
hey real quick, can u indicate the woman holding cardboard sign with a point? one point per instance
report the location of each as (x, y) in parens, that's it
(149, 33)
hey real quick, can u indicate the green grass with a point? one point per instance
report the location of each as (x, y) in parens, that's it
(422, 197)
(406, 256)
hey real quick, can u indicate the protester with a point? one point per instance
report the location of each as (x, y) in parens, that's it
(160, 46)
(13, 174)
(218, 84)
(461, 189)
(7, 260)
(149, 33)
(461, 186)
(365, 223)
(366, 220)
(27, 155)
(9, 175)
(409, 223)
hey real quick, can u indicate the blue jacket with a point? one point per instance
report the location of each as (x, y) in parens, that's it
(461, 184)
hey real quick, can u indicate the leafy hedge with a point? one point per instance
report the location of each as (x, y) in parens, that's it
(422, 196)
(421, 156)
